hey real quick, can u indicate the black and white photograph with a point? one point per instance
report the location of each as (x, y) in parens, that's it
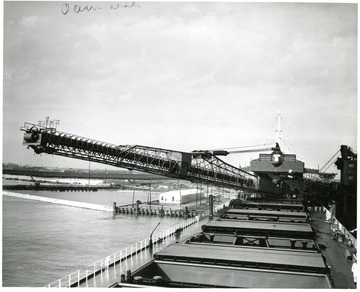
(180, 144)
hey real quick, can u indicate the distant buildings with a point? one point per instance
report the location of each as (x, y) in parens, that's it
(181, 196)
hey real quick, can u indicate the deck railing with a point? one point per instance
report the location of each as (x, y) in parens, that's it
(336, 226)
(76, 278)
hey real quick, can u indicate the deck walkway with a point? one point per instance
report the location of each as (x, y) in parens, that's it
(334, 252)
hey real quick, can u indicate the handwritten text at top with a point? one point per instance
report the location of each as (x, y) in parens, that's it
(68, 8)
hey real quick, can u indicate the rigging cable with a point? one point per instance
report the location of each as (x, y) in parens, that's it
(271, 130)
(241, 147)
(323, 169)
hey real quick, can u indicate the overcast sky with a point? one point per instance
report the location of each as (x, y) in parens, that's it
(182, 76)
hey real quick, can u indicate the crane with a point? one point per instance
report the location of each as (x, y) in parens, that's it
(198, 166)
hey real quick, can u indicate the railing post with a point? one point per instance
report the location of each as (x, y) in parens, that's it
(78, 278)
(69, 280)
(59, 283)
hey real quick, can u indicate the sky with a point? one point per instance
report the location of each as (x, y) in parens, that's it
(182, 75)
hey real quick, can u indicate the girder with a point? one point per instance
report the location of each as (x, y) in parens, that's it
(204, 168)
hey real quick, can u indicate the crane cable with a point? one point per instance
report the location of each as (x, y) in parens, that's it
(289, 147)
(241, 147)
(271, 129)
(323, 169)
(250, 150)
(326, 166)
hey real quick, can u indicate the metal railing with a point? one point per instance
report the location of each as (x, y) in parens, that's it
(336, 226)
(87, 272)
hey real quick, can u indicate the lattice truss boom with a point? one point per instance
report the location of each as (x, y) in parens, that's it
(181, 165)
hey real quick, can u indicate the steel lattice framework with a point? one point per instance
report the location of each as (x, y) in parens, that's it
(195, 167)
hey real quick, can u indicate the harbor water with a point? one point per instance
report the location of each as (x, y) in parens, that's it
(43, 242)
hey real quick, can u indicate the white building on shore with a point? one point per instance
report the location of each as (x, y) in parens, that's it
(181, 196)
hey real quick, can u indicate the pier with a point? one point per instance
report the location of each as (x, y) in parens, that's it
(155, 212)
(158, 211)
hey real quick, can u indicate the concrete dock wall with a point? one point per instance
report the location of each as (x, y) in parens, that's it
(61, 202)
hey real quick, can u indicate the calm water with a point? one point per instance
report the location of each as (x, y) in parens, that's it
(101, 197)
(42, 235)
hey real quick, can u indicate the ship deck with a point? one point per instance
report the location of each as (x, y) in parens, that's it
(249, 212)
(334, 251)
(295, 230)
(111, 276)
(243, 257)
(272, 206)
